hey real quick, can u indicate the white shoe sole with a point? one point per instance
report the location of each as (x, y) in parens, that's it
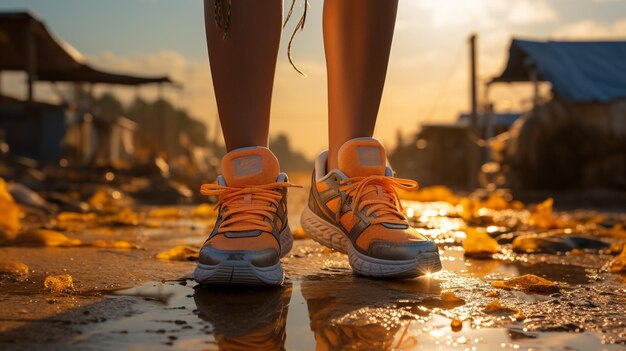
(329, 235)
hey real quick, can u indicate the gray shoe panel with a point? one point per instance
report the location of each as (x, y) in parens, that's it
(386, 250)
(260, 258)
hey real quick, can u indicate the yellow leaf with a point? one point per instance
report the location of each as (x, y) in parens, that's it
(478, 244)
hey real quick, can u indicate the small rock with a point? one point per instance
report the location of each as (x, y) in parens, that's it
(26, 196)
(204, 211)
(555, 243)
(10, 218)
(478, 244)
(542, 216)
(618, 265)
(16, 271)
(456, 325)
(528, 283)
(166, 213)
(495, 306)
(519, 316)
(44, 237)
(449, 296)
(118, 244)
(520, 333)
(178, 253)
(299, 233)
(493, 293)
(59, 283)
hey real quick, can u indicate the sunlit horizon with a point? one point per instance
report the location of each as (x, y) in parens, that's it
(427, 78)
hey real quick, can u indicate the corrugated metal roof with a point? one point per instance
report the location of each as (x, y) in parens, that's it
(578, 70)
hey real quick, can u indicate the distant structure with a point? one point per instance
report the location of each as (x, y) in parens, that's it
(38, 130)
(439, 153)
(574, 139)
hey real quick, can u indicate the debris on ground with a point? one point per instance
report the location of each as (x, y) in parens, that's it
(44, 237)
(449, 296)
(519, 316)
(468, 208)
(13, 270)
(493, 293)
(554, 243)
(179, 253)
(456, 325)
(75, 217)
(166, 213)
(495, 227)
(299, 233)
(496, 306)
(118, 244)
(431, 194)
(479, 244)
(108, 200)
(26, 196)
(204, 211)
(618, 265)
(616, 248)
(542, 215)
(497, 201)
(59, 283)
(528, 283)
(125, 217)
(10, 218)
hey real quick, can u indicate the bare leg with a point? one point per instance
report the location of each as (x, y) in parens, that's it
(357, 41)
(243, 67)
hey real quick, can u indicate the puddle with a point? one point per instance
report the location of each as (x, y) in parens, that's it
(325, 307)
(313, 313)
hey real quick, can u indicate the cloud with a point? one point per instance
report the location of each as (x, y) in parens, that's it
(425, 82)
(529, 12)
(195, 77)
(590, 29)
(486, 13)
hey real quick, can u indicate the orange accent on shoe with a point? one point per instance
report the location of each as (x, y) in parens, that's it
(246, 207)
(380, 194)
(362, 157)
(250, 166)
(254, 243)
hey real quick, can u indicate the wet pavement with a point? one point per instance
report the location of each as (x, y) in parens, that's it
(124, 298)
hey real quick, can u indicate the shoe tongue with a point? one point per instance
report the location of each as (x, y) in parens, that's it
(250, 166)
(362, 157)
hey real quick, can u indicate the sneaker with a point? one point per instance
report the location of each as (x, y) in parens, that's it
(251, 233)
(356, 210)
(242, 318)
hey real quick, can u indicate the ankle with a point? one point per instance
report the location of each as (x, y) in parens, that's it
(331, 161)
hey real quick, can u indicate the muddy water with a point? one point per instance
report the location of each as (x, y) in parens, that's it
(324, 307)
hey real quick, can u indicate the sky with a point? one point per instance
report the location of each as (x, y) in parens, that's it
(427, 80)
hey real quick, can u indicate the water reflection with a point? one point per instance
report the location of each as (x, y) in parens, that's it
(245, 319)
(345, 313)
(361, 314)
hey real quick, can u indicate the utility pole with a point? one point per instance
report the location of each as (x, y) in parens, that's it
(31, 58)
(473, 151)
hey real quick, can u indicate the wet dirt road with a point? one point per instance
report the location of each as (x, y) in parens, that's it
(123, 298)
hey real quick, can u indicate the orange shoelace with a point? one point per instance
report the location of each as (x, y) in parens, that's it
(246, 208)
(386, 205)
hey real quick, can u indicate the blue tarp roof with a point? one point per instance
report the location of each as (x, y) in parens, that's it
(578, 70)
(498, 119)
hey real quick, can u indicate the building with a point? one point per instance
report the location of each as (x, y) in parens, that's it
(38, 130)
(576, 139)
